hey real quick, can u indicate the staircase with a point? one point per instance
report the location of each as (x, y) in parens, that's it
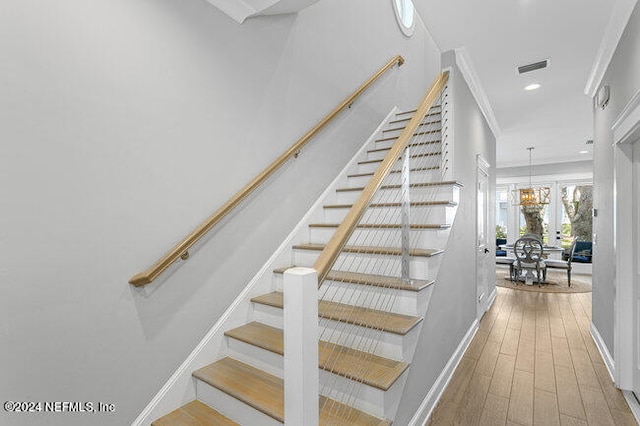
(245, 386)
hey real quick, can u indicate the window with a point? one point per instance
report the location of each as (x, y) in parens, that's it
(405, 15)
(577, 204)
(502, 212)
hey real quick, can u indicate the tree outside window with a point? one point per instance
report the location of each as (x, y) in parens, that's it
(577, 220)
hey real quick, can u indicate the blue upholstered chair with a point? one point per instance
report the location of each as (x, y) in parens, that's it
(499, 251)
(583, 252)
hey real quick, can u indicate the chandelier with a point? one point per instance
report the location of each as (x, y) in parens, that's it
(531, 197)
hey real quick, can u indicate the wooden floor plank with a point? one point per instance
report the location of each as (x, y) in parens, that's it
(596, 407)
(583, 367)
(521, 400)
(525, 359)
(571, 421)
(510, 341)
(471, 410)
(545, 409)
(494, 411)
(569, 400)
(545, 376)
(503, 376)
(488, 359)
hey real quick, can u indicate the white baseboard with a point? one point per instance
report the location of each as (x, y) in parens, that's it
(492, 297)
(435, 393)
(180, 388)
(604, 351)
(633, 404)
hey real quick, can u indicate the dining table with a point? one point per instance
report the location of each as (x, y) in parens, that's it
(548, 252)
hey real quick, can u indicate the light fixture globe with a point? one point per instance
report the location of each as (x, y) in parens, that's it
(531, 197)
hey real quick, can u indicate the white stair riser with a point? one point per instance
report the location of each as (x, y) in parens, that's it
(388, 345)
(391, 300)
(430, 161)
(387, 142)
(396, 178)
(262, 359)
(371, 400)
(418, 149)
(427, 193)
(422, 238)
(421, 214)
(231, 407)
(421, 267)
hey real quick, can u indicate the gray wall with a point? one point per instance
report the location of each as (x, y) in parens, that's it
(125, 123)
(452, 309)
(623, 77)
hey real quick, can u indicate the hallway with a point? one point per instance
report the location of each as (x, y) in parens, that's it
(533, 362)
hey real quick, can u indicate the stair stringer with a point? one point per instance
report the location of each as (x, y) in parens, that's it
(180, 388)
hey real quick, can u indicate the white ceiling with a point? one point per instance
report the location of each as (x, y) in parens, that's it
(499, 35)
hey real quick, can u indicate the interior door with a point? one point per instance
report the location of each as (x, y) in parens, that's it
(484, 250)
(636, 268)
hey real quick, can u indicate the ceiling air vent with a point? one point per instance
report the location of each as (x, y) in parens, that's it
(532, 67)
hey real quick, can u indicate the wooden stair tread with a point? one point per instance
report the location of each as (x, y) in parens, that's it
(418, 169)
(426, 154)
(399, 120)
(370, 279)
(413, 185)
(413, 111)
(194, 413)
(254, 387)
(385, 225)
(413, 145)
(265, 393)
(365, 368)
(426, 132)
(365, 317)
(392, 251)
(424, 123)
(413, 204)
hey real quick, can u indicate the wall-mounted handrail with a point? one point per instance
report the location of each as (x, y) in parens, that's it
(332, 250)
(181, 249)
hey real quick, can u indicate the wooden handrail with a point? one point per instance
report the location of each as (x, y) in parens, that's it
(332, 250)
(181, 249)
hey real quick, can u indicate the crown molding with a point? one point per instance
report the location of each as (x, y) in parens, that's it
(471, 77)
(613, 32)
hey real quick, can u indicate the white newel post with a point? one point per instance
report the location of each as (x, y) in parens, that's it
(301, 347)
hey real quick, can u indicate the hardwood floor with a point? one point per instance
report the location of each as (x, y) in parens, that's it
(533, 362)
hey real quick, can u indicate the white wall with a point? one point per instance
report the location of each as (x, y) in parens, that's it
(623, 78)
(123, 124)
(452, 308)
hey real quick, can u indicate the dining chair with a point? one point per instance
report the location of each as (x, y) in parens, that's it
(528, 251)
(562, 264)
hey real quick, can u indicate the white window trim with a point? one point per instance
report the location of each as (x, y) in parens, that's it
(406, 30)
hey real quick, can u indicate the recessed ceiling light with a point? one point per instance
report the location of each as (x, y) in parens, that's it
(584, 152)
(532, 86)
